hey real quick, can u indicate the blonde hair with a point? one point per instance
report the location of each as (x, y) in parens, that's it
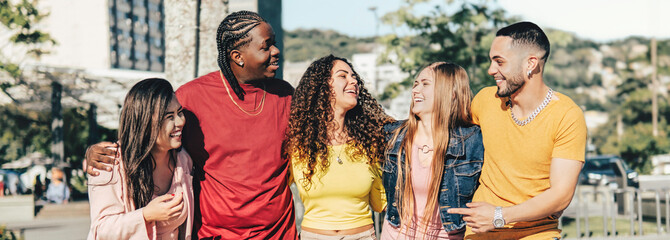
(451, 109)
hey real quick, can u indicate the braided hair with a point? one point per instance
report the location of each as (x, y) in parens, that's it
(231, 35)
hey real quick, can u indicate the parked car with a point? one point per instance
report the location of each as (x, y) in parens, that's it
(602, 170)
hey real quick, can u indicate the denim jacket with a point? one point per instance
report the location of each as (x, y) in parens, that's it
(462, 167)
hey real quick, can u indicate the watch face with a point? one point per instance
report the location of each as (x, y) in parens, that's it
(498, 223)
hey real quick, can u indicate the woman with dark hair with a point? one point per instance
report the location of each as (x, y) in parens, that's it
(335, 143)
(148, 194)
(434, 159)
(236, 121)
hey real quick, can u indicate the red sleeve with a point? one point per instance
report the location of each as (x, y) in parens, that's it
(193, 139)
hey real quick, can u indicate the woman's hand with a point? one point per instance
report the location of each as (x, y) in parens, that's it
(163, 208)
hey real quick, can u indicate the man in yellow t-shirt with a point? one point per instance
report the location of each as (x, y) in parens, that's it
(534, 138)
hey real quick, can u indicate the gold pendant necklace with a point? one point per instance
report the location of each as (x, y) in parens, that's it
(238, 106)
(339, 160)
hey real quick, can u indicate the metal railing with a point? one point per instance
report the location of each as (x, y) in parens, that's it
(634, 205)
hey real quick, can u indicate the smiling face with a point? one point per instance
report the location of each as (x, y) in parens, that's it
(423, 93)
(344, 87)
(260, 56)
(506, 66)
(169, 135)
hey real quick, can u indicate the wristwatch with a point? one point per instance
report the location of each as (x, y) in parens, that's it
(498, 220)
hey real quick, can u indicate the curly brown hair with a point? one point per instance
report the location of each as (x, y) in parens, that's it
(311, 116)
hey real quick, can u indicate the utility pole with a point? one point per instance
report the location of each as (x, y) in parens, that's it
(57, 148)
(654, 89)
(375, 73)
(92, 124)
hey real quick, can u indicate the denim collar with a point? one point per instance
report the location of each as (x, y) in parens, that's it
(457, 137)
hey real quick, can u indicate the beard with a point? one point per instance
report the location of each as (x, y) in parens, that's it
(512, 84)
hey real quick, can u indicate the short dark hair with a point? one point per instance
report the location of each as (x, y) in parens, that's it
(526, 33)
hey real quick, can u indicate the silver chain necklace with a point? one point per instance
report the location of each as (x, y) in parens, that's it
(532, 116)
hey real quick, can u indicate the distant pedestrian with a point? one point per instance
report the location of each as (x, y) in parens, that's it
(38, 188)
(57, 191)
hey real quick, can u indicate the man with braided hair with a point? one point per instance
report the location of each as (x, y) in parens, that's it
(236, 120)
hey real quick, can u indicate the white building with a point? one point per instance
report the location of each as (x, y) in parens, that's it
(661, 164)
(293, 71)
(378, 76)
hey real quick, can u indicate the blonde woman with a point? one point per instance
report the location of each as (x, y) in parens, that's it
(434, 159)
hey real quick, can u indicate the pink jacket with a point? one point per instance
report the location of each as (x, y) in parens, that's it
(113, 214)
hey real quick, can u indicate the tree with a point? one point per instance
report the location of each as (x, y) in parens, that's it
(25, 40)
(636, 144)
(23, 132)
(307, 45)
(463, 37)
(26, 123)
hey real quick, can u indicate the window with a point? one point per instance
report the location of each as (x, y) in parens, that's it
(137, 36)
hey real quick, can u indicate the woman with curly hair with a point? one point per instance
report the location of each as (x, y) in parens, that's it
(434, 159)
(335, 143)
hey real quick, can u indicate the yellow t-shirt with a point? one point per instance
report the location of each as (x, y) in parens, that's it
(517, 159)
(341, 197)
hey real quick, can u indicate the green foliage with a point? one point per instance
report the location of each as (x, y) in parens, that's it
(79, 185)
(569, 62)
(6, 234)
(75, 134)
(462, 37)
(637, 144)
(12, 69)
(307, 45)
(25, 131)
(20, 20)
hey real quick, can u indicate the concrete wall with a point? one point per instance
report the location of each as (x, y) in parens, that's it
(16, 208)
(81, 28)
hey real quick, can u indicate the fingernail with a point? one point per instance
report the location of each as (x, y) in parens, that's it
(173, 194)
(109, 169)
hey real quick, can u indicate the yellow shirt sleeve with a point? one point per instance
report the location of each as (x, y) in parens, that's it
(475, 106)
(570, 138)
(377, 194)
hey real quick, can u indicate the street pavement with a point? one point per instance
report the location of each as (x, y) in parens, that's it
(57, 222)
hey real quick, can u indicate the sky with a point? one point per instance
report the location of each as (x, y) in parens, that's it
(598, 20)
